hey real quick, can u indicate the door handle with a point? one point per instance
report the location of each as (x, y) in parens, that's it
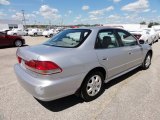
(130, 53)
(105, 58)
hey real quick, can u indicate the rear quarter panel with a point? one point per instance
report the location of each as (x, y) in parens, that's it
(73, 62)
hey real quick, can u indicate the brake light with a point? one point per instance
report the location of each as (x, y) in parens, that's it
(19, 59)
(43, 67)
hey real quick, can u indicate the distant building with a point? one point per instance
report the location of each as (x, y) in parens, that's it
(10, 24)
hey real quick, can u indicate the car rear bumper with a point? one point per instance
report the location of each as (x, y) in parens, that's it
(47, 90)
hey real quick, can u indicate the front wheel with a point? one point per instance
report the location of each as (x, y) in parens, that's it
(18, 43)
(147, 61)
(92, 86)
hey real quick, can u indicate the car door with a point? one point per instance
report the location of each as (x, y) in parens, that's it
(110, 53)
(3, 40)
(21, 32)
(132, 47)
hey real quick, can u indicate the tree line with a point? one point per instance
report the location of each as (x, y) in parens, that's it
(150, 24)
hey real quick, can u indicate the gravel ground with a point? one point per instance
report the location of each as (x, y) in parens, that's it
(134, 96)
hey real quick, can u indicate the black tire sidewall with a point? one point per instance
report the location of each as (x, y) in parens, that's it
(84, 93)
(35, 34)
(50, 35)
(143, 65)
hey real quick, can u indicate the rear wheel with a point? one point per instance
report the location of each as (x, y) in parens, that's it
(92, 86)
(15, 34)
(147, 61)
(18, 43)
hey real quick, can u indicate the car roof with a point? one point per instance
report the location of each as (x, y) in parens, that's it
(99, 28)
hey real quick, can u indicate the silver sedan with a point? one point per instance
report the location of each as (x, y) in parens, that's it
(79, 61)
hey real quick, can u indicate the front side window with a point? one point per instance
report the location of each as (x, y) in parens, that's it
(126, 38)
(69, 38)
(11, 26)
(106, 39)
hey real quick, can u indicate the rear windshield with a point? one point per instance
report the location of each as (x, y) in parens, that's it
(69, 38)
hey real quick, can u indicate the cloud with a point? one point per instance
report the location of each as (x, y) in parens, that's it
(70, 11)
(154, 11)
(4, 2)
(36, 12)
(85, 7)
(92, 17)
(2, 14)
(102, 11)
(116, 1)
(114, 17)
(49, 13)
(147, 10)
(12, 10)
(78, 17)
(19, 16)
(136, 6)
(110, 8)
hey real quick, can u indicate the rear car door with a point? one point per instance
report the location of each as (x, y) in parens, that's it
(133, 48)
(110, 53)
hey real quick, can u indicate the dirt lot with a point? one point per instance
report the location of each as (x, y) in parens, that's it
(134, 96)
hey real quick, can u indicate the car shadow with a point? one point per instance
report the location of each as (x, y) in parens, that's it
(6, 47)
(69, 101)
(62, 103)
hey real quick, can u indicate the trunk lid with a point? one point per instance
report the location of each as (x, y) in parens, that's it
(34, 52)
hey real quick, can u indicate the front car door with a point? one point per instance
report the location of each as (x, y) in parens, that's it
(131, 45)
(111, 54)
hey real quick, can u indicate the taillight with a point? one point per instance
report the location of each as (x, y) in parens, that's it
(43, 67)
(19, 59)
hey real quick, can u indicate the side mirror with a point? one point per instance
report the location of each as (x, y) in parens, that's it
(141, 41)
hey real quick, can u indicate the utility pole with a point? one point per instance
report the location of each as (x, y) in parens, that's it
(23, 19)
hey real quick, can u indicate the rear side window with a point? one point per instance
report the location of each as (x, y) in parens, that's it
(106, 39)
(126, 38)
(69, 38)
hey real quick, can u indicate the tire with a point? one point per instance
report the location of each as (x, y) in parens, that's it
(18, 43)
(15, 34)
(50, 35)
(147, 61)
(93, 86)
(35, 34)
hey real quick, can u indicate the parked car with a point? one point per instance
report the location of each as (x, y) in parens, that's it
(17, 32)
(49, 33)
(157, 29)
(143, 35)
(35, 32)
(158, 32)
(11, 40)
(153, 34)
(79, 61)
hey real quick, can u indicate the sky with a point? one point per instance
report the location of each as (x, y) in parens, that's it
(71, 12)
